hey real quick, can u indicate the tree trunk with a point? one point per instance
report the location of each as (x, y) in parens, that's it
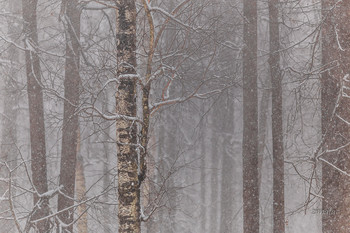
(128, 161)
(250, 123)
(277, 123)
(82, 226)
(335, 87)
(36, 113)
(80, 186)
(71, 20)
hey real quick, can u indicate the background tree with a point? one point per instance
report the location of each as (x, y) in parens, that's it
(71, 20)
(36, 115)
(189, 69)
(335, 120)
(277, 123)
(250, 123)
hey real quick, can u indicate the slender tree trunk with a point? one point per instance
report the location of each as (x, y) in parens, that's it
(71, 20)
(8, 149)
(329, 92)
(82, 226)
(335, 88)
(128, 159)
(250, 123)
(36, 113)
(149, 185)
(277, 123)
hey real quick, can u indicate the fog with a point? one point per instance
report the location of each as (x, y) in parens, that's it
(184, 116)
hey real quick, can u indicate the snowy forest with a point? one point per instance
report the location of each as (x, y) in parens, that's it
(175, 116)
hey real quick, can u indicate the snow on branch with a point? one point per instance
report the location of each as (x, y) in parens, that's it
(154, 107)
(172, 17)
(110, 117)
(335, 167)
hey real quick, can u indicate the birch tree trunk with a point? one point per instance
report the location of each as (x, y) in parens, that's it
(277, 123)
(128, 161)
(36, 114)
(335, 86)
(71, 20)
(250, 123)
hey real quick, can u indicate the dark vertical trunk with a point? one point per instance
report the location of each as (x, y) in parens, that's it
(8, 149)
(36, 113)
(128, 161)
(80, 186)
(82, 224)
(71, 20)
(277, 123)
(335, 116)
(329, 92)
(250, 123)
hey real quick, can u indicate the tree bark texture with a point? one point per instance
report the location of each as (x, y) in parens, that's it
(36, 113)
(80, 186)
(277, 123)
(82, 224)
(128, 159)
(71, 20)
(335, 86)
(250, 123)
